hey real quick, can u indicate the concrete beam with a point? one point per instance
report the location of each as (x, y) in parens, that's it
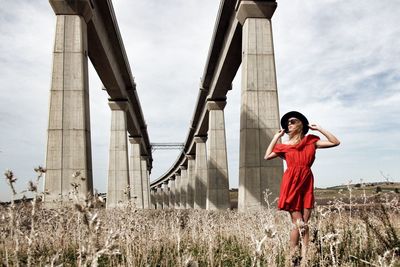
(81, 8)
(255, 9)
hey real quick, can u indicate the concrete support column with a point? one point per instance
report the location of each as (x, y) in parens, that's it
(68, 135)
(145, 182)
(165, 195)
(191, 178)
(183, 187)
(259, 118)
(177, 190)
(135, 173)
(160, 197)
(172, 192)
(200, 189)
(118, 171)
(217, 162)
(153, 200)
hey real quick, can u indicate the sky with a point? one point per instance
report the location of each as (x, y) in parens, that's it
(337, 62)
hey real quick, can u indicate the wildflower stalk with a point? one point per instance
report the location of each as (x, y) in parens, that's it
(363, 261)
(350, 197)
(32, 187)
(11, 179)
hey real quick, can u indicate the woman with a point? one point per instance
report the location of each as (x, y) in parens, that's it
(297, 187)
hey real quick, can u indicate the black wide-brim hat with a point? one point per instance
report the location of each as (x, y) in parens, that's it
(297, 115)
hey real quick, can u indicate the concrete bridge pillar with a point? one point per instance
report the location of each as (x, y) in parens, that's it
(118, 171)
(217, 162)
(259, 118)
(178, 181)
(201, 173)
(153, 198)
(68, 135)
(145, 183)
(172, 192)
(135, 173)
(165, 195)
(160, 197)
(191, 176)
(183, 187)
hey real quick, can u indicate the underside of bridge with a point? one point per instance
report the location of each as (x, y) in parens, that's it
(199, 178)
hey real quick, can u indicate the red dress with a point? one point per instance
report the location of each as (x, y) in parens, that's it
(297, 187)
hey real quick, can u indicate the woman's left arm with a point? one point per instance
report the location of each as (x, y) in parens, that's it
(332, 140)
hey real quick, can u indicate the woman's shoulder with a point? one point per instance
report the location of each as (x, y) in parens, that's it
(280, 148)
(308, 140)
(311, 138)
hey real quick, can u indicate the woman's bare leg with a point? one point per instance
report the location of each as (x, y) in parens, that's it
(306, 232)
(294, 233)
(306, 217)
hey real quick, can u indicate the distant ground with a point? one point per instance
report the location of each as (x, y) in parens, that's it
(359, 192)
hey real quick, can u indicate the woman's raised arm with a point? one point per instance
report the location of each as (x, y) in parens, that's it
(269, 154)
(332, 140)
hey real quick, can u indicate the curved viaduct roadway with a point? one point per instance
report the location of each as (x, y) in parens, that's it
(199, 176)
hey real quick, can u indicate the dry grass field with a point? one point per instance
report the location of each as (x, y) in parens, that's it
(342, 234)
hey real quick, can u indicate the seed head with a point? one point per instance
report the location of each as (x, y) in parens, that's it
(32, 187)
(40, 170)
(10, 176)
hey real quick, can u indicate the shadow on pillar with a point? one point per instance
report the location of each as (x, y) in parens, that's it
(200, 194)
(256, 174)
(218, 189)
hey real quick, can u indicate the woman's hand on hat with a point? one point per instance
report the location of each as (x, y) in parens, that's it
(314, 127)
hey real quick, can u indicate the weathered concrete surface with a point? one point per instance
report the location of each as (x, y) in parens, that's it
(201, 173)
(183, 187)
(153, 204)
(160, 197)
(191, 175)
(68, 140)
(165, 195)
(177, 190)
(259, 118)
(145, 183)
(118, 168)
(217, 162)
(172, 189)
(135, 173)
